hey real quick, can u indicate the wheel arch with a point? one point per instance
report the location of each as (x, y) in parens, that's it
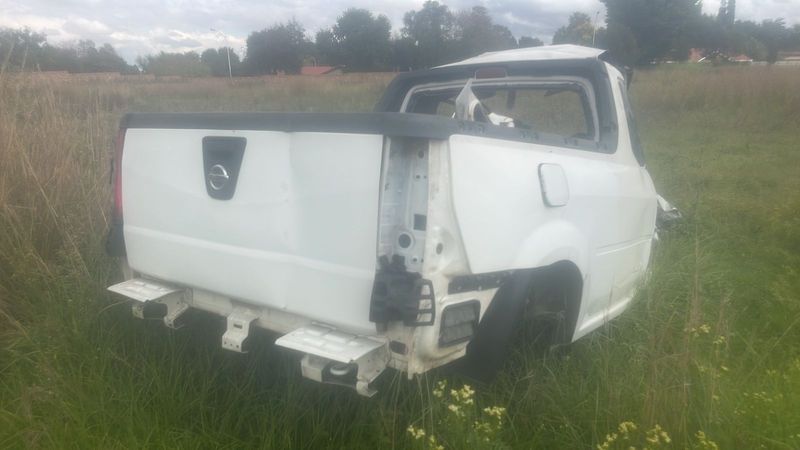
(489, 348)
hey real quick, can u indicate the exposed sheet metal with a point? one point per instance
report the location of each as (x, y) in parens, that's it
(328, 343)
(142, 290)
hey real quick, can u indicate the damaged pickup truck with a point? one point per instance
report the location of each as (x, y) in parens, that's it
(478, 195)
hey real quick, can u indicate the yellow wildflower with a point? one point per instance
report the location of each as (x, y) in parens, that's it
(495, 411)
(416, 433)
(705, 443)
(625, 428)
(434, 444)
(657, 435)
(438, 391)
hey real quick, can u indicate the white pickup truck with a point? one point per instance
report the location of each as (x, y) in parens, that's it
(477, 195)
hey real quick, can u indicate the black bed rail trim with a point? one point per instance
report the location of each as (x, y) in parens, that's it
(389, 124)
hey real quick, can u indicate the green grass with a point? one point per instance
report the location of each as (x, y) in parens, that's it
(712, 342)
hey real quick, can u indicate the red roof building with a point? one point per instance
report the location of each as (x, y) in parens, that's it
(320, 70)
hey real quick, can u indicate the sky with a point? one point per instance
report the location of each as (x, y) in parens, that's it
(148, 26)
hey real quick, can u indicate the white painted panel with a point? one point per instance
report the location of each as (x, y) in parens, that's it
(604, 226)
(299, 234)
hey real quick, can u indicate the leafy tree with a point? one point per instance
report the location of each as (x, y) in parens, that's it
(744, 37)
(93, 59)
(709, 33)
(109, 61)
(527, 41)
(715, 36)
(174, 64)
(621, 44)
(26, 50)
(793, 42)
(580, 30)
(63, 58)
(217, 61)
(404, 54)
(502, 38)
(278, 48)
(327, 48)
(363, 40)
(655, 25)
(430, 30)
(475, 33)
(727, 12)
(755, 49)
(21, 49)
(774, 35)
(795, 37)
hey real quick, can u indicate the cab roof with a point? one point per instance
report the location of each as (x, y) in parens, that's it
(543, 53)
(551, 60)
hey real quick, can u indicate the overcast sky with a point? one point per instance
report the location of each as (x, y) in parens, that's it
(145, 26)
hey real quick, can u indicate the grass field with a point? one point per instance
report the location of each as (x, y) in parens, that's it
(709, 355)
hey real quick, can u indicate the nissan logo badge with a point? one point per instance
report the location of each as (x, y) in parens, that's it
(218, 177)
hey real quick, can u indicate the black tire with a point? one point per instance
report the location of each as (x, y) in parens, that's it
(547, 314)
(489, 349)
(536, 307)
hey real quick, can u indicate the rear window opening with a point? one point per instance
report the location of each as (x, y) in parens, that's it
(559, 108)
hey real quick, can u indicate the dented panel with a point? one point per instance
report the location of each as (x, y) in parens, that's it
(299, 230)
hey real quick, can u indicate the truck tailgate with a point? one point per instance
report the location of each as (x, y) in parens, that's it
(298, 234)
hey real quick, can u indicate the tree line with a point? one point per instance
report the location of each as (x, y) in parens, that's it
(641, 32)
(636, 32)
(27, 50)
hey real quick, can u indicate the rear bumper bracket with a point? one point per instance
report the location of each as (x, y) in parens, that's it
(333, 357)
(145, 292)
(238, 329)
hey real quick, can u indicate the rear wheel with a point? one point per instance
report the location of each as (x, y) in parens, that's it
(546, 320)
(537, 307)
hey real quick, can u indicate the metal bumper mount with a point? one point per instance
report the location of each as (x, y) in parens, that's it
(147, 293)
(238, 329)
(331, 356)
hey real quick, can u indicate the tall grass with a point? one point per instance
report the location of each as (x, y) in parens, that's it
(710, 345)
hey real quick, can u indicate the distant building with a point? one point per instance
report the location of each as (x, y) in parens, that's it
(740, 59)
(697, 55)
(320, 70)
(789, 58)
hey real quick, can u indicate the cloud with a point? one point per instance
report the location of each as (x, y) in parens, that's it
(150, 26)
(177, 39)
(81, 26)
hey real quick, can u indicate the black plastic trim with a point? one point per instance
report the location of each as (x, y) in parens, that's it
(478, 282)
(227, 153)
(398, 295)
(391, 124)
(115, 241)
